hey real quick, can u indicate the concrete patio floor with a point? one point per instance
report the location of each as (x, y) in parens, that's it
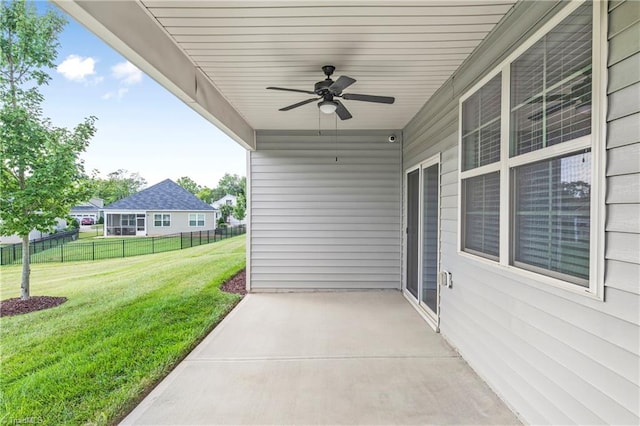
(322, 358)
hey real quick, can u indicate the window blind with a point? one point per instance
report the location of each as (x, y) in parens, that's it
(482, 214)
(552, 216)
(551, 86)
(481, 125)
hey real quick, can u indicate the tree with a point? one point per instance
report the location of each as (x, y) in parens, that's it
(240, 209)
(118, 185)
(225, 211)
(228, 184)
(206, 195)
(42, 175)
(189, 184)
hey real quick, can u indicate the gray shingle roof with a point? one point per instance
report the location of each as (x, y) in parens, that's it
(166, 195)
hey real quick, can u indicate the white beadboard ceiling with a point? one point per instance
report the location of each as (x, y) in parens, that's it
(405, 49)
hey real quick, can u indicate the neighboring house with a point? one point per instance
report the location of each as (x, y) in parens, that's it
(229, 200)
(499, 107)
(60, 225)
(162, 209)
(91, 209)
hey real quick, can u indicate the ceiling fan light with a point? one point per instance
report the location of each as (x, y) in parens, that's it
(327, 107)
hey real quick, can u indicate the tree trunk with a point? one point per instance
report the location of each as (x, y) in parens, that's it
(26, 269)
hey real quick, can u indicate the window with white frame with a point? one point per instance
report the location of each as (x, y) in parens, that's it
(196, 219)
(481, 123)
(541, 170)
(161, 219)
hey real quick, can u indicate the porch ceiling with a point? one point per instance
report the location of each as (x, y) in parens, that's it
(405, 49)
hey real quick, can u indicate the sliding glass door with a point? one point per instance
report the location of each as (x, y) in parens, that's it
(423, 235)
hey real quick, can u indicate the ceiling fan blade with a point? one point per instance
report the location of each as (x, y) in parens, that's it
(287, 108)
(342, 112)
(552, 109)
(369, 98)
(341, 83)
(292, 90)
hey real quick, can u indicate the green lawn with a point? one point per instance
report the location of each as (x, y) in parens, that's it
(96, 231)
(126, 323)
(107, 248)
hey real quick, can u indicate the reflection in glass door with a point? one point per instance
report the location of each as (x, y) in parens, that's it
(413, 227)
(430, 246)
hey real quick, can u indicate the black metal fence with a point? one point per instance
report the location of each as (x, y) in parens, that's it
(110, 248)
(13, 253)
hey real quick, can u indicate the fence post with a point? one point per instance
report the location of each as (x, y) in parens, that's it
(153, 245)
(122, 248)
(14, 254)
(191, 239)
(181, 241)
(62, 253)
(93, 256)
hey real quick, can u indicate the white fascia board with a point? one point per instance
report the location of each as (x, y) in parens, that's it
(130, 30)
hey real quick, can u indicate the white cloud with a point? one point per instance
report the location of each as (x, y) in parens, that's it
(77, 68)
(115, 95)
(126, 72)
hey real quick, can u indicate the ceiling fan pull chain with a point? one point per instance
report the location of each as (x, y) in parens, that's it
(335, 120)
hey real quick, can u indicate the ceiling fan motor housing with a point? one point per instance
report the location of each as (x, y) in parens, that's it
(322, 86)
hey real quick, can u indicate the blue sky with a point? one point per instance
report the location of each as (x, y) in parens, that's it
(141, 126)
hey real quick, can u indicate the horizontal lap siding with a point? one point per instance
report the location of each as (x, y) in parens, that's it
(622, 251)
(320, 223)
(554, 356)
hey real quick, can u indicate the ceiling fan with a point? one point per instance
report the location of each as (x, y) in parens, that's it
(579, 96)
(328, 90)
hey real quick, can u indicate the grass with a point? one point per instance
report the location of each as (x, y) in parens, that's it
(96, 231)
(85, 249)
(125, 325)
(107, 248)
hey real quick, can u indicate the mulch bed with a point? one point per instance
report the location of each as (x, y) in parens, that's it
(237, 284)
(17, 306)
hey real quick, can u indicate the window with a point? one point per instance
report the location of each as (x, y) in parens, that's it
(480, 162)
(529, 152)
(551, 216)
(160, 219)
(196, 219)
(128, 220)
(229, 202)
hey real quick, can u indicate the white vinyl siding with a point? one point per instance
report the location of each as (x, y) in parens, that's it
(321, 223)
(623, 151)
(555, 357)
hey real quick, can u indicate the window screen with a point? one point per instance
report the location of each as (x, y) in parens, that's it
(551, 86)
(481, 126)
(552, 217)
(481, 214)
